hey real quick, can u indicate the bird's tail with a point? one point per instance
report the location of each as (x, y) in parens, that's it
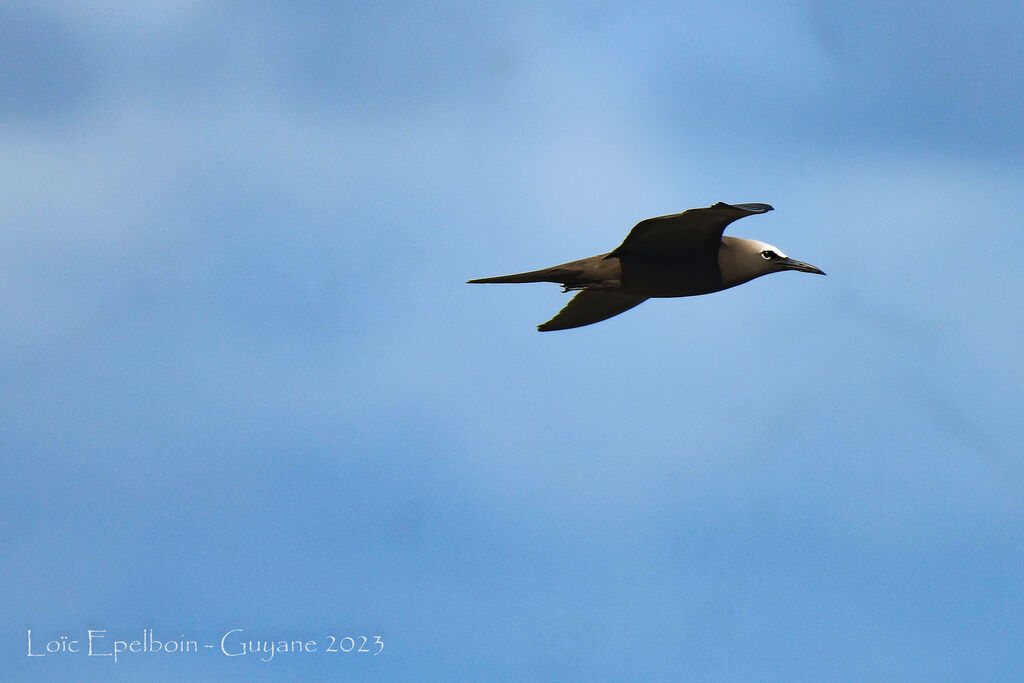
(556, 274)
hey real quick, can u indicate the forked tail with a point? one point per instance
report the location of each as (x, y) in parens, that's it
(556, 274)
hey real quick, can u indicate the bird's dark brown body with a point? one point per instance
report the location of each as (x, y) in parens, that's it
(670, 256)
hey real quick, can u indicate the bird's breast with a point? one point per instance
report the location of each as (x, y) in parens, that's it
(671, 278)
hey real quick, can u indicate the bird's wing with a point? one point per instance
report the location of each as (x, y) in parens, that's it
(667, 236)
(591, 306)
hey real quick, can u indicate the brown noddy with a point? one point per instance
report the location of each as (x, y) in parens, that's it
(682, 254)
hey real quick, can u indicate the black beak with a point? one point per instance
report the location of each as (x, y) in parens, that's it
(793, 264)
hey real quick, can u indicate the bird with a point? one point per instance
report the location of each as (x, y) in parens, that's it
(681, 254)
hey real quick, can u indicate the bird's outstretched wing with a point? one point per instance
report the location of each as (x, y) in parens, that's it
(665, 237)
(591, 306)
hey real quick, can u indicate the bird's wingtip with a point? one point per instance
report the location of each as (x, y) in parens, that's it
(755, 208)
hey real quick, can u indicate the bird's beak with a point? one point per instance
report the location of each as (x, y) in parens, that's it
(793, 264)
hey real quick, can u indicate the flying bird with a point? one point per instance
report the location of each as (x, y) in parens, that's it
(683, 254)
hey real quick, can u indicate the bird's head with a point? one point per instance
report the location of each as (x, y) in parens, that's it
(741, 260)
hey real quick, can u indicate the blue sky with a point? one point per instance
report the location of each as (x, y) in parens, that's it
(245, 385)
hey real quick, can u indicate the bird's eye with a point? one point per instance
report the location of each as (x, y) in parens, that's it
(768, 255)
